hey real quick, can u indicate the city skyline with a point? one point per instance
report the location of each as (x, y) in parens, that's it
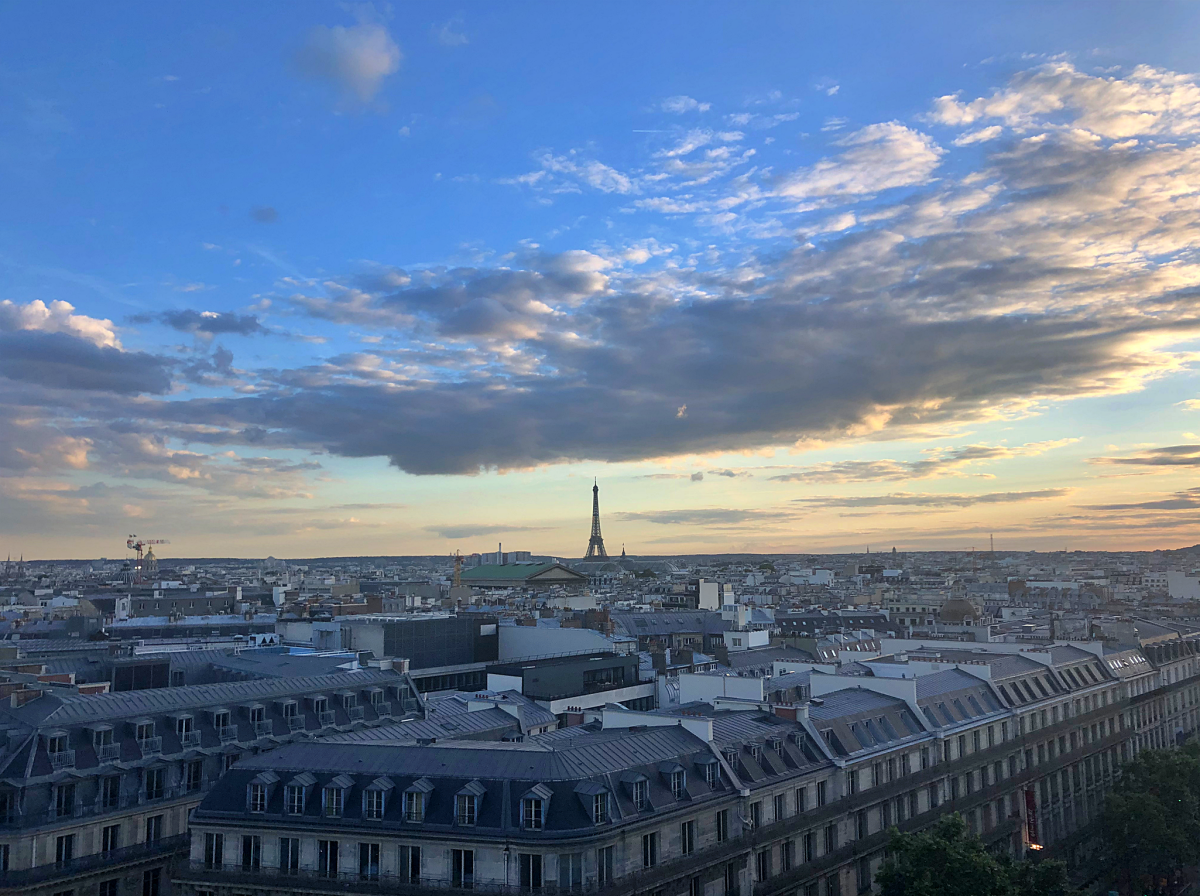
(331, 281)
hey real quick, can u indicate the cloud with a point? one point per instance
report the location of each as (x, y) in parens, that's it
(57, 317)
(704, 517)
(567, 172)
(983, 135)
(698, 476)
(910, 499)
(875, 158)
(1148, 101)
(937, 464)
(678, 105)
(450, 33)
(475, 530)
(61, 361)
(212, 323)
(355, 59)
(1172, 456)
(264, 214)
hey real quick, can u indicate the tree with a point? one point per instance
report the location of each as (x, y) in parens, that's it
(947, 861)
(1152, 817)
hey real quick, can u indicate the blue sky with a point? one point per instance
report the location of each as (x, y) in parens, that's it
(786, 277)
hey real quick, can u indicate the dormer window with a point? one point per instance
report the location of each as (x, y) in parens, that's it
(465, 809)
(712, 772)
(257, 714)
(756, 751)
(466, 804)
(333, 802)
(374, 798)
(777, 744)
(531, 814)
(145, 730)
(257, 799)
(334, 799)
(641, 794)
(600, 808)
(533, 807)
(56, 743)
(678, 783)
(416, 799)
(295, 800)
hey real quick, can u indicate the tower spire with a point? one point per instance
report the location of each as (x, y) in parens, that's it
(595, 549)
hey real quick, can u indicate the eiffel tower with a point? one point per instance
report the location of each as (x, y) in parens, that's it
(595, 549)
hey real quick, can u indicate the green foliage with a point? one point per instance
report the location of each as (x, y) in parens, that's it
(947, 861)
(1152, 816)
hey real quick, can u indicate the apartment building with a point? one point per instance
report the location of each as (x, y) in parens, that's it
(96, 789)
(722, 798)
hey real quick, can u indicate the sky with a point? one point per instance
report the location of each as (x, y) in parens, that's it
(318, 279)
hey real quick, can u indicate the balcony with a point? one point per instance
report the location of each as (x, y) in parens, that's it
(189, 740)
(326, 718)
(84, 864)
(295, 723)
(108, 752)
(356, 713)
(382, 708)
(263, 728)
(227, 733)
(150, 746)
(62, 759)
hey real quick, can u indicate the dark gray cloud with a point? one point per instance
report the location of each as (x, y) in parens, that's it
(1189, 500)
(1171, 456)
(909, 499)
(212, 323)
(264, 214)
(62, 361)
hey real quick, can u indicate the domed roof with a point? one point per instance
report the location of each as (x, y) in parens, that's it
(958, 609)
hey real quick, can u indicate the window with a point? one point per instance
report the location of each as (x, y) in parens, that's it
(650, 850)
(810, 846)
(410, 864)
(695, 886)
(110, 887)
(214, 850)
(368, 861)
(258, 798)
(801, 799)
(145, 730)
(762, 864)
(604, 865)
(787, 855)
(193, 775)
(333, 802)
(570, 871)
(833, 885)
(861, 828)
(530, 871)
(731, 879)
(821, 793)
(289, 855)
(687, 837)
(151, 881)
(229, 760)
(722, 825)
(64, 800)
(251, 852)
(110, 838)
(531, 814)
(110, 792)
(712, 774)
(64, 848)
(327, 858)
(600, 808)
(414, 806)
(462, 868)
(678, 783)
(933, 796)
(154, 783)
(641, 794)
(831, 838)
(780, 806)
(154, 828)
(756, 814)
(373, 805)
(864, 875)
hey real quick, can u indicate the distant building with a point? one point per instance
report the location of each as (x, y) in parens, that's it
(523, 575)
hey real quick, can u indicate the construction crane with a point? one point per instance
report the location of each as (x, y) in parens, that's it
(136, 544)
